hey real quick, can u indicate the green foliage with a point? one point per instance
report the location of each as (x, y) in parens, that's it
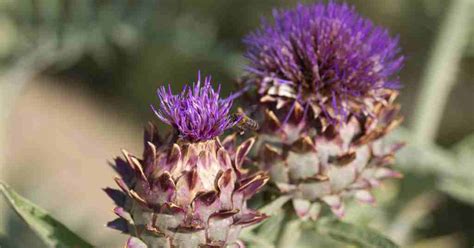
(279, 231)
(423, 158)
(453, 168)
(270, 229)
(191, 35)
(254, 241)
(354, 235)
(272, 208)
(48, 229)
(460, 184)
(291, 234)
(72, 29)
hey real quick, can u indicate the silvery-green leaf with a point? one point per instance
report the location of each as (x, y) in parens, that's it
(270, 209)
(275, 205)
(271, 227)
(363, 237)
(465, 147)
(254, 241)
(48, 229)
(459, 188)
(291, 234)
(411, 215)
(426, 159)
(461, 184)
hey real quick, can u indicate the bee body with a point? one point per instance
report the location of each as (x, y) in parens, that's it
(245, 123)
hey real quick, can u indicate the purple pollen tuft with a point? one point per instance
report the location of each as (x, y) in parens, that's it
(325, 49)
(197, 113)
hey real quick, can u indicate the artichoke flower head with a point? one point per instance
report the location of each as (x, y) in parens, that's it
(188, 190)
(324, 81)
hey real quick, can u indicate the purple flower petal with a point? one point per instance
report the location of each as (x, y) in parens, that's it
(327, 49)
(197, 113)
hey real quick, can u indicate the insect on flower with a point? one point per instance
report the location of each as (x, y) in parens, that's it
(244, 123)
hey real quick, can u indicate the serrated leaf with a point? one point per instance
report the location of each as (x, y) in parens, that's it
(48, 229)
(363, 237)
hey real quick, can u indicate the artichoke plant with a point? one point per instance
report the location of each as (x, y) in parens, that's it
(324, 86)
(189, 189)
(321, 85)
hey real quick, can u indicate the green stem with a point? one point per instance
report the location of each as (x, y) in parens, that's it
(14, 79)
(440, 74)
(11, 84)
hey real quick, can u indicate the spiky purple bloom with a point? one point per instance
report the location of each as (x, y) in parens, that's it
(325, 53)
(325, 93)
(197, 113)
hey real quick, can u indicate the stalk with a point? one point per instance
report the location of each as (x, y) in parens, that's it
(14, 79)
(440, 73)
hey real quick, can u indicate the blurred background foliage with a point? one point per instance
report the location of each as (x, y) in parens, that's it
(77, 78)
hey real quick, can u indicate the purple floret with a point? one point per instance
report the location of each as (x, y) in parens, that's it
(197, 113)
(325, 48)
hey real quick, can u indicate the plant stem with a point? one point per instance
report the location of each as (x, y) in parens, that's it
(402, 228)
(14, 79)
(440, 73)
(11, 84)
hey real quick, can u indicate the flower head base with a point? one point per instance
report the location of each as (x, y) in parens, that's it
(323, 53)
(185, 194)
(197, 113)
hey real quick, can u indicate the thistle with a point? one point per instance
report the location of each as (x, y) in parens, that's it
(189, 189)
(325, 85)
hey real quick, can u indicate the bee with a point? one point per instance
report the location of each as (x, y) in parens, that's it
(245, 123)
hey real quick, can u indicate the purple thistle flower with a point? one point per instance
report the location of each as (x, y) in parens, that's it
(197, 113)
(327, 53)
